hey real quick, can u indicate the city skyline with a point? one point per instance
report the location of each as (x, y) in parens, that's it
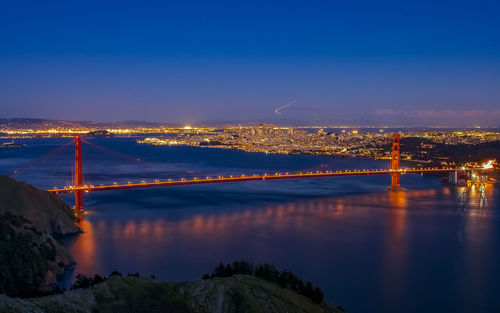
(359, 64)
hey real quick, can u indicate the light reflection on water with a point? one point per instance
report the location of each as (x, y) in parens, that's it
(394, 251)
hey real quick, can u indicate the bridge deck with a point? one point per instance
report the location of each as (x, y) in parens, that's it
(220, 179)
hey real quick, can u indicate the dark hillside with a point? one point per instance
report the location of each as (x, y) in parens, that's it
(30, 258)
(47, 212)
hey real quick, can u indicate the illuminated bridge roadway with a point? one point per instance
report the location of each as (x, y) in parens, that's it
(242, 178)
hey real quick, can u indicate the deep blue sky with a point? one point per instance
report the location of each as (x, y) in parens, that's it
(356, 62)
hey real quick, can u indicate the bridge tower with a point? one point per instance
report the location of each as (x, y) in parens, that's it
(78, 175)
(395, 162)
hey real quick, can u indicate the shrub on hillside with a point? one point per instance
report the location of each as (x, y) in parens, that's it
(269, 272)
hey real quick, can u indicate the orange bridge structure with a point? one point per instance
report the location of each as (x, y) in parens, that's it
(79, 189)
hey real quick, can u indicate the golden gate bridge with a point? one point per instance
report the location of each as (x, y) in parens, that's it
(79, 188)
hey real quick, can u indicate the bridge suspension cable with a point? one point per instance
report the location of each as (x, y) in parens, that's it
(121, 155)
(40, 159)
(137, 159)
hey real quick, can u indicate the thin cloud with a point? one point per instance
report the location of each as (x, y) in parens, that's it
(440, 114)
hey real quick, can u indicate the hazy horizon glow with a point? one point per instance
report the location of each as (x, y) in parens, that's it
(392, 63)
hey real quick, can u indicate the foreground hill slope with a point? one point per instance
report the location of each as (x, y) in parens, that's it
(240, 293)
(47, 212)
(30, 220)
(244, 293)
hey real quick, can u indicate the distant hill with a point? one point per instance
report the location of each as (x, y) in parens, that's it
(239, 293)
(41, 124)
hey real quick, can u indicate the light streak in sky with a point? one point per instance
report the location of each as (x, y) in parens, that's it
(489, 164)
(277, 110)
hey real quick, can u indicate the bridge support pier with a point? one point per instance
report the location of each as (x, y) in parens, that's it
(78, 176)
(395, 182)
(395, 163)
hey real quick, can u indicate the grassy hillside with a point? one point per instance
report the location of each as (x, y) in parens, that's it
(244, 293)
(240, 293)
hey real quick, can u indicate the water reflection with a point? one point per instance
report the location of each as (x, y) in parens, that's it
(390, 249)
(393, 270)
(84, 249)
(475, 195)
(477, 234)
(220, 229)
